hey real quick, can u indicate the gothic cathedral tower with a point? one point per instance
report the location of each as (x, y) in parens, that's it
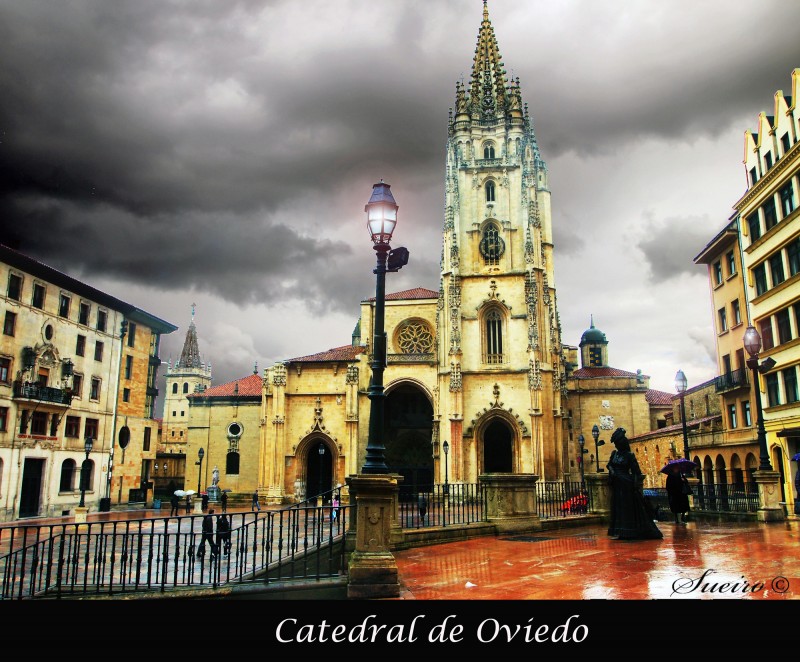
(188, 375)
(502, 384)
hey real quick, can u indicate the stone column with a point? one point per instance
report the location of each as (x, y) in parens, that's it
(372, 568)
(599, 494)
(769, 496)
(511, 501)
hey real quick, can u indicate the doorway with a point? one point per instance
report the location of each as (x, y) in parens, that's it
(31, 493)
(497, 445)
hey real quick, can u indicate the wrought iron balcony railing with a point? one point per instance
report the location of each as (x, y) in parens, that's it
(731, 380)
(34, 391)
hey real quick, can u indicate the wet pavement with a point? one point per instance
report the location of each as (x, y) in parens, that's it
(699, 560)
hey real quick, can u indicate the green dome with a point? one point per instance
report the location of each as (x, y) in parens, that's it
(593, 335)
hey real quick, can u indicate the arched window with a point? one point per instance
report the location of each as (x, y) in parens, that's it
(489, 191)
(493, 337)
(67, 483)
(175, 388)
(488, 151)
(185, 387)
(232, 463)
(491, 246)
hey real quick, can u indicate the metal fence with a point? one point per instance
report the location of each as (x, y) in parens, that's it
(444, 505)
(562, 499)
(62, 560)
(710, 497)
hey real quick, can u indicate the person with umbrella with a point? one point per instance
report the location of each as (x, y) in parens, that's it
(175, 503)
(678, 488)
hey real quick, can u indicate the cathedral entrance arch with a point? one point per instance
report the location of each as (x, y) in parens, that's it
(408, 429)
(497, 444)
(319, 467)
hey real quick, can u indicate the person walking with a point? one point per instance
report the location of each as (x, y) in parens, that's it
(256, 505)
(223, 534)
(174, 503)
(334, 507)
(224, 500)
(208, 535)
(678, 490)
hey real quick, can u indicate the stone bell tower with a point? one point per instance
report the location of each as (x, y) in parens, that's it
(501, 380)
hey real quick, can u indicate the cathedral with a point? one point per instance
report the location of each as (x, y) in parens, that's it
(476, 363)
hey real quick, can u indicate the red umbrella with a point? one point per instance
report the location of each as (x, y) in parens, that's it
(685, 466)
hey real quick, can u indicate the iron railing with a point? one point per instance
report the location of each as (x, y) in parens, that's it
(562, 499)
(112, 558)
(444, 505)
(726, 497)
(34, 391)
(730, 380)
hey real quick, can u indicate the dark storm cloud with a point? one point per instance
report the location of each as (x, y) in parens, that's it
(669, 248)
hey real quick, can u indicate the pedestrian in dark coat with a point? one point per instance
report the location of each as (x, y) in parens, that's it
(224, 499)
(256, 504)
(224, 534)
(174, 505)
(677, 494)
(208, 535)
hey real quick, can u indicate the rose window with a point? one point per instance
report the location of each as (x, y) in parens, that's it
(415, 338)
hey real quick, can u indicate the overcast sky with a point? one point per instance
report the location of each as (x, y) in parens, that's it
(221, 153)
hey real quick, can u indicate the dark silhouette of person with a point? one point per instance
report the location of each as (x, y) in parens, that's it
(224, 500)
(204, 501)
(208, 535)
(256, 505)
(677, 494)
(224, 534)
(188, 503)
(629, 517)
(422, 504)
(174, 505)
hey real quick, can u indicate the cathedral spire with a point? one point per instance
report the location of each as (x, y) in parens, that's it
(190, 356)
(489, 97)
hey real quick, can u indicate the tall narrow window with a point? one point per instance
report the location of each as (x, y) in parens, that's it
(38, 296)
(776, 269)
(9, 323)
(731, 263)
(63, 306)
(793, 255)
(737, 312)
(175, 388)
(753, 176)
(98, 351)
(784, 326)
(80, 345)
(760, 277)
(765, 326)
(83, 313)
(14, 287)
(494, 337)
(94, 393)
(718, 273)
(5, 370)
(785, 142)
(131, 334)
(102, 318)
(773, 391)
(488, 152)
(754, 225)
(490, 191)
(732, 416)
(790, 384)
(723, 320)
(77, 385)
(770, 214)
(67, 476)
(747, 421)
(147, 436)
(767, 160)
(185, 387)
(787, 199)
(3, 419)
(128, 366)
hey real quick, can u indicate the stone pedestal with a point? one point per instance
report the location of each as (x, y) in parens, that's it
(80, 514)
(372, 568)
(511, 501)
(214, 494)
(198, 505)
(769, 496)
(599, 494)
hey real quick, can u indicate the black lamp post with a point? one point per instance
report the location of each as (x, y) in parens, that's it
(321, 457)
(381, 221)
(752, 343)
(87, 446)
(680, 386)
(597, 444)
(200, 455)
(446, 449)
(581, 443)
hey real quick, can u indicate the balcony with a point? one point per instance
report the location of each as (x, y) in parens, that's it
(34, 391)
(732, 380)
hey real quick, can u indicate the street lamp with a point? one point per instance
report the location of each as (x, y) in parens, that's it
(597, 444)
(752, 343)
(87, 446)
(680, 386)
(381, 221)
(321, 456)
(581, 443)
(446, 449)
(200, 455)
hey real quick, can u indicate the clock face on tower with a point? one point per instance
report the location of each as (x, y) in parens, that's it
(595, 357)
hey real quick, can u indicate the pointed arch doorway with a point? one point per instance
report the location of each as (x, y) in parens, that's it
(408, 429)
(497, 447)
(319, 468)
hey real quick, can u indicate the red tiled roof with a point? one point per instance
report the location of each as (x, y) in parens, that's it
(655, 397)
(414, 293)
(605, 371)
(675, 428)
(250, 385)
(344, 353)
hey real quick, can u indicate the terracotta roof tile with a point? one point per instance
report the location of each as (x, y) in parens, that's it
(344, 353)
(248, 386)
(655, 397)
(605, 371)
(414, 293)
(676, 428)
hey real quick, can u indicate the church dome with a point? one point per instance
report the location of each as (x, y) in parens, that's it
(593, 335)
